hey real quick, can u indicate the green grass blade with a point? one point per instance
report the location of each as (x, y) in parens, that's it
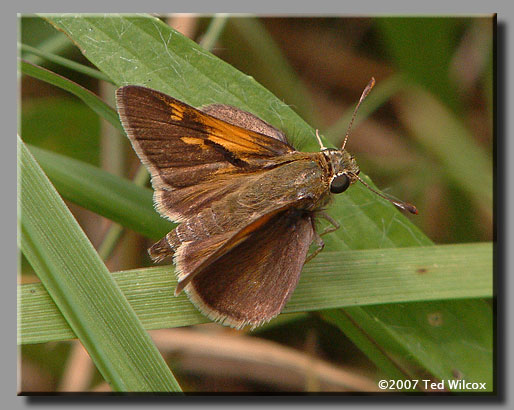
(115, 231)
(331, 280)
(80, 68)
(37, 33)
(213, 32)
(83, 289)
(106, 194)
(90, 99)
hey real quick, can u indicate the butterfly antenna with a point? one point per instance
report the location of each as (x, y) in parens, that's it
(321, 146)
(406, 206)
(364, 95)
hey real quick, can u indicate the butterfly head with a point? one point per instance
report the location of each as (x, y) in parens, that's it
(343, 168)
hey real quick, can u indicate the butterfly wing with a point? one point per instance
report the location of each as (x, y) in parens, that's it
(245, 120)
(194, 256)
(251, 283)
(193, 156)
(216, 230)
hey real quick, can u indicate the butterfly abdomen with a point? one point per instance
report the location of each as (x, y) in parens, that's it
(197, 228)
(160, 250)
(164, 248)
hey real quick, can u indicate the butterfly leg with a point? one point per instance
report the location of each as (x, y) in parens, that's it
(317, 236)
(319, 243)
(335, 225)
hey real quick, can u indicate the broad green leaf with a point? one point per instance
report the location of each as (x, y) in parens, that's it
(152, 54)
(83, 289)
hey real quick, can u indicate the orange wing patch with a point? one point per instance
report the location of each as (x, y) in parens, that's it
(193, 141)
(233, 138)
(177, 110)
(239, 140)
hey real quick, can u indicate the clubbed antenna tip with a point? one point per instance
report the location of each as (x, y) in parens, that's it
(406, 206)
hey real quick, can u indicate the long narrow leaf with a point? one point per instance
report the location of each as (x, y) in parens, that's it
(83, 289)
(64, 62)
(106, 194)
(332, 279)
(444, 136)
(90, 99)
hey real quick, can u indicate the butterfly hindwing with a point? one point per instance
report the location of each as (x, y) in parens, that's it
(195, 255)
(251, 283)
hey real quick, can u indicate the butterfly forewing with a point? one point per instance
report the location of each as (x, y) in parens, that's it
(193, 157)
(245, 120)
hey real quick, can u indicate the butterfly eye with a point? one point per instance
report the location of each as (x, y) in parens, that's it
(339, 184)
